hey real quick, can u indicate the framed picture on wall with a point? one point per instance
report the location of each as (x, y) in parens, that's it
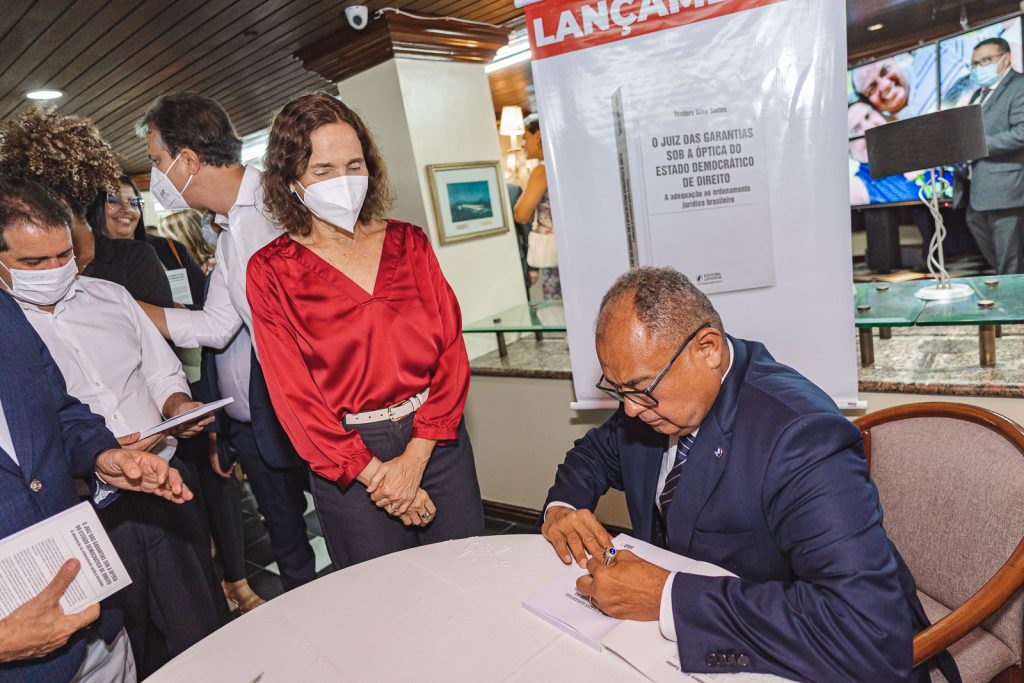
(470, 200)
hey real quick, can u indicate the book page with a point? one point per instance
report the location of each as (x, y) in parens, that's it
(31, 558)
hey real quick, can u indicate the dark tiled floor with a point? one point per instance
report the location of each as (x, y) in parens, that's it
(259, 560)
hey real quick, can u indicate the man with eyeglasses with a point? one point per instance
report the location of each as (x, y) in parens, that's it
(995, 210)
(729, 457)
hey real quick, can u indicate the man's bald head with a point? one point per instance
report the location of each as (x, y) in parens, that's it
(662, 300)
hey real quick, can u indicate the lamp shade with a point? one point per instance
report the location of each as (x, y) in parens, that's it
(512, 121)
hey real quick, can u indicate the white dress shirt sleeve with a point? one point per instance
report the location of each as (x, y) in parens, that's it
(218, 321)
(666, 619)
(553, 504)
(160, 367)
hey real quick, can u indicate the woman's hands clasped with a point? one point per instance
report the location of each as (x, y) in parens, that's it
(395, 485)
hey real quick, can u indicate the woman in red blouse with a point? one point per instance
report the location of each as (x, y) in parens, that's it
(360, 338)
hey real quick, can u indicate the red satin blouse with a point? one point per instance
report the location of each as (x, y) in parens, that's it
(328, 348)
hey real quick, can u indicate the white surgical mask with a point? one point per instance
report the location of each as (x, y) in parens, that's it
(42, 287)
(985, 75)
(165, 191)
(338, 200)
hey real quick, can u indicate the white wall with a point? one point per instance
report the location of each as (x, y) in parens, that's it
(425, 113)
(521, 429)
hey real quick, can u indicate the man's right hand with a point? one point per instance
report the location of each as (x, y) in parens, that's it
(133, 443)
(40, 626)
(574, 533)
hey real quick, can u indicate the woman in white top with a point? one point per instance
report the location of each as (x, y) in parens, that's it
(535, 207)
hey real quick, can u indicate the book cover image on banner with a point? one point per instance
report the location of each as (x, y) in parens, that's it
(755, 91)
(697, 188)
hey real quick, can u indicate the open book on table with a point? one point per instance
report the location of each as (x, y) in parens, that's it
(640, 643)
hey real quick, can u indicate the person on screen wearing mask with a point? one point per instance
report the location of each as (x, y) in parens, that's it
(196, 157)
(115, 361)
(361, 341)
(67, 154)
(995, 210)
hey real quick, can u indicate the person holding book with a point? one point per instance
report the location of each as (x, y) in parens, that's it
(727, 456)
(47, 439)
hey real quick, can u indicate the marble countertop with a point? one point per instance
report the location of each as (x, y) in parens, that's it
(940, 361)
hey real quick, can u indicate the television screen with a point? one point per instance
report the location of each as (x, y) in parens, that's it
(958, 88)
(886, 90)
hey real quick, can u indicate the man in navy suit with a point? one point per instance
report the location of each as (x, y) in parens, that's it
(48, 439)
(729, 457)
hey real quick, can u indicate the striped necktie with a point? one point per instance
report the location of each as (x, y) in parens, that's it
(672, 480)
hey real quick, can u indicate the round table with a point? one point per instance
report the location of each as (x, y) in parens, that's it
(445, 612)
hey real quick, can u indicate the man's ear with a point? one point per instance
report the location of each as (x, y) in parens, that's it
(712, 346)
(191, 160)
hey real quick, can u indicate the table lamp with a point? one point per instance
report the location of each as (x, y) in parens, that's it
(930, 142)
(512, 125)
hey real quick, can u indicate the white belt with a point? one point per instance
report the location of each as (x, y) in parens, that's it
(394, 413)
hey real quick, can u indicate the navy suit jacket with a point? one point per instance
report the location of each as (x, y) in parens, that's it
(776, 490)
(56, 439)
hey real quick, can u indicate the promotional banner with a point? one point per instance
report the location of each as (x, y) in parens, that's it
(706, 135)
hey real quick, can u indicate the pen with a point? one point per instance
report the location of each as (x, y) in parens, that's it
(609, 556)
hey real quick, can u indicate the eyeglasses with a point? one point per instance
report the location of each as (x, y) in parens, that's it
(645, 397)
(132, 202)
(985, 61)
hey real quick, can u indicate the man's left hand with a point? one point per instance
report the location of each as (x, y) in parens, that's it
(629, 588)
(182, 403)
(141, 471)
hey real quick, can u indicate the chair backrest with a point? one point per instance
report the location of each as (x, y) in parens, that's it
(951, 482)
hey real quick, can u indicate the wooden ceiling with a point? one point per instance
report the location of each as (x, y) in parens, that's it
(112, 58)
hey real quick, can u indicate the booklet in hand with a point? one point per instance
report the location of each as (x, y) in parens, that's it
(188, 416)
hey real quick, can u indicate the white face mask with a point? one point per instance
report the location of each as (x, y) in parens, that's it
(338, 200)
(165, 191)
(42, 287)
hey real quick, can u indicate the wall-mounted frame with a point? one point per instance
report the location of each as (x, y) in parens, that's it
(470, 200)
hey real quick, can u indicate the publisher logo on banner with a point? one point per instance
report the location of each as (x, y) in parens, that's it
(712, 278)
(560, 26)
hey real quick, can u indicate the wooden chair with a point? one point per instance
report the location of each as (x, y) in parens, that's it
(951, 481)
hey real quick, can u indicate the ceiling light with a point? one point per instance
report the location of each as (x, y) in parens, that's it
(876, 27)
(44, 94)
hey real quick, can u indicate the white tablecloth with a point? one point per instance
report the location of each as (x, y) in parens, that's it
(445, 612)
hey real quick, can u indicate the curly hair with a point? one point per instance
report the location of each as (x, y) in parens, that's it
(65, 153)
(288, 151)
(194, 121)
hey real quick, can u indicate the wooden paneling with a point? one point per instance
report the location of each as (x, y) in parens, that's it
(112, 58)
(396, 34)
(513, 85)
(910, 22)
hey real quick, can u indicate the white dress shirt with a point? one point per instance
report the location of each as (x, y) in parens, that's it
(234, 365)
(247, 229)
(112, 357)
(6, 440)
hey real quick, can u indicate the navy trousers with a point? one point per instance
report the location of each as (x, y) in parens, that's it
(356, 530)
(278, 478)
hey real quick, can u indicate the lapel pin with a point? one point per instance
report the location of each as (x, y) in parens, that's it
(718, 452)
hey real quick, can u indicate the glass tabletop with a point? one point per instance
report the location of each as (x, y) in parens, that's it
(889, 304)
(1005, 291)
(540, 316)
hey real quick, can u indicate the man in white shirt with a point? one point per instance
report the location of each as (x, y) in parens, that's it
(196, 157)
(116, 362)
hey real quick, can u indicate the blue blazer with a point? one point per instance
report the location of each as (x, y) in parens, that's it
(776, 490)
(56, 439)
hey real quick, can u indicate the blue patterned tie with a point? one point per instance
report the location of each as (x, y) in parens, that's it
(672, 480)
